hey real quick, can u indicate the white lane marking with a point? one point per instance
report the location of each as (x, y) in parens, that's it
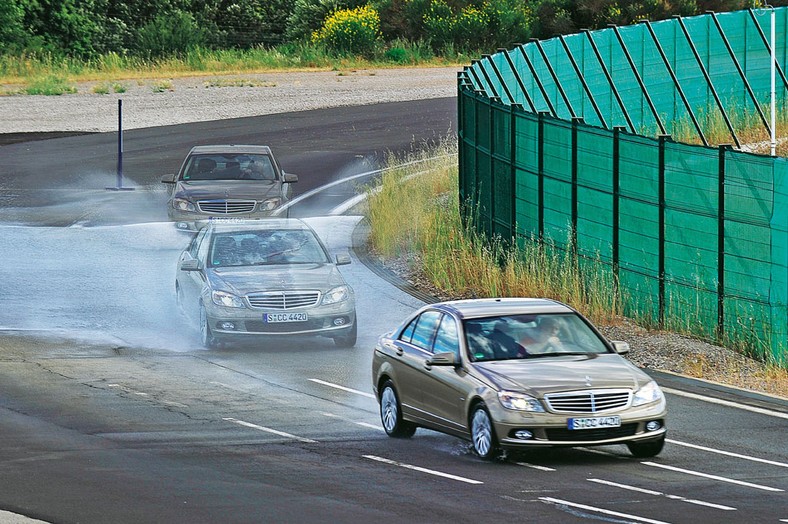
(269, 430)
(141, 394)
(713, 477)
(728, 453)
(728, 403)
(660, 494)
(534, 466)
(560, 502)
(423, 470)
(127, 390)
(363, 424)
(343, 388)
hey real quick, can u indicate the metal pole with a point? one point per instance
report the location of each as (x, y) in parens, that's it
(773, 61)
(120, 143)
(119, 177)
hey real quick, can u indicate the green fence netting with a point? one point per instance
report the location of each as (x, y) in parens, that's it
(599, 142)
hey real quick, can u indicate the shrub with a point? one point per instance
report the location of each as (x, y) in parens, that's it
(308, 17)
(439, 24)
(354, 31)
(169, 35)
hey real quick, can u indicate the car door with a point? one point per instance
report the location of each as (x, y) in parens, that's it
(191, 283)
(412, 349)
(446, 387)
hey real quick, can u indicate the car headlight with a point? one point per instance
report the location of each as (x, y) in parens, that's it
(338, 294)
(647, 394)
(269, 204)
(520, 402)
(182, 204)
(222, 298)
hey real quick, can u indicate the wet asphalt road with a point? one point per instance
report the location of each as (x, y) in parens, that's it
(110, 411)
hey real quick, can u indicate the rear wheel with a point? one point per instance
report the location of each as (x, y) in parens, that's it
(483, 433)
(391, 413)
(646, 449)
(207, 336)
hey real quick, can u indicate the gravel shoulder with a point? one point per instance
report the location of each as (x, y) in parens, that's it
(161, 102)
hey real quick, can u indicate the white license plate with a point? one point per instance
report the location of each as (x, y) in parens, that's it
(272, 318)
(594, 422)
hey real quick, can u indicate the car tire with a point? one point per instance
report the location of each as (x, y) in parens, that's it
(179, 299)
(483, 437)
(206, 335)
(391, 413)
(648, 449)
(349, 340)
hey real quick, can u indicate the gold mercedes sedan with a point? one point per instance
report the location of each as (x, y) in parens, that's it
(514, 373)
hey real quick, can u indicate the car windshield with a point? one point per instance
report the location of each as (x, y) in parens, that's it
(530, 336)
(256, 248)
(229, 167)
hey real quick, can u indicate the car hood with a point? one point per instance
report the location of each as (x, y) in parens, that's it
(545, 375)
(220, 189)
(249, 279)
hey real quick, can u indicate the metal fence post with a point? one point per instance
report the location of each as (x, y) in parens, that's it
(663, 139)
(721, 241)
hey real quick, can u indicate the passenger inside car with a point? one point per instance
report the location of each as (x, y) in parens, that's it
(545, 337)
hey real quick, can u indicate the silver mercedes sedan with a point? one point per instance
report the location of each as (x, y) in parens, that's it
(514, 373)
(226, 181)
(266, 277)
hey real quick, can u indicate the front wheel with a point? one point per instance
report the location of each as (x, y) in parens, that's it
(483, 433)
(391, 414)
(206, 335)
(646, 449)
(348, 340)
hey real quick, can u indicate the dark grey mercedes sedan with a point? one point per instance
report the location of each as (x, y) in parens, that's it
(268, 277)
(226, 181)
(514, 373)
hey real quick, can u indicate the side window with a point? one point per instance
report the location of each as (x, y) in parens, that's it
(196, 242)
(407, 333)
(447, 339)
(424, 333)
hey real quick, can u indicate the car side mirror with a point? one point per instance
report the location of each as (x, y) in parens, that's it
(447, 358)
(168, 179)
(343, 260)
(289, 178)
(622, 348)
(190, 265)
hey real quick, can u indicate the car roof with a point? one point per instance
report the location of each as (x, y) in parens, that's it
(263, 224)
(491, 307)
(230, 148)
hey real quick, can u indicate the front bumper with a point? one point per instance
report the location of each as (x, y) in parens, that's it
(551, 429)
(331, 321)
(196, 221)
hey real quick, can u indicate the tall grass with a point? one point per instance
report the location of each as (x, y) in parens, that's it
(24, 68)
(415, 210)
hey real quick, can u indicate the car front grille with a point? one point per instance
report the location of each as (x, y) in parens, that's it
(588, 401)
(283, 299)
(226, 207)
(590, 435)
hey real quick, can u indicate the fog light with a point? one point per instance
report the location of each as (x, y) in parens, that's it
(523, 434)
(227, 326)
(653, 425)
(340, 321)
(182, 225)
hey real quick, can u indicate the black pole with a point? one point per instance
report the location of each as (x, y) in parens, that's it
(120, 143)
(119, 177)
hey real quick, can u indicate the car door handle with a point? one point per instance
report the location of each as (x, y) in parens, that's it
(395, 348)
